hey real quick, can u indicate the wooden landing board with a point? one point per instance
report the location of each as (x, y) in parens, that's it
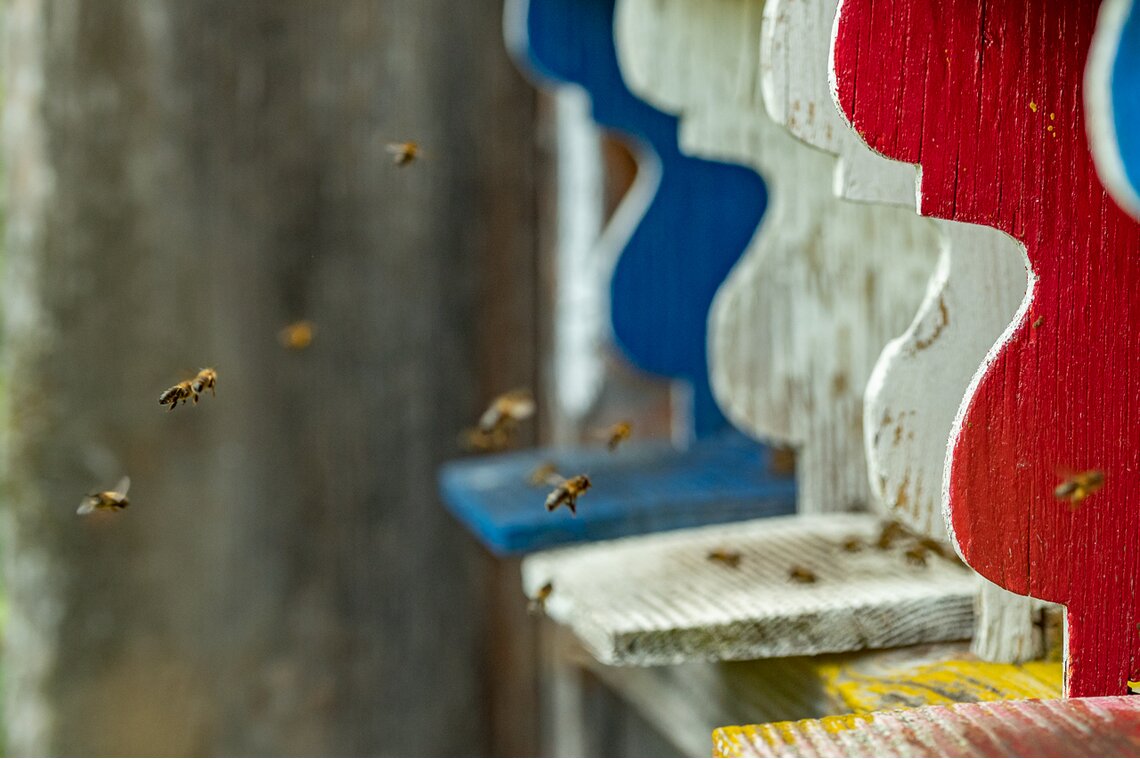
(685, 222)
(686, 702)
(1112, 97)
(659, 599)
(1108, 726)
(641, 488)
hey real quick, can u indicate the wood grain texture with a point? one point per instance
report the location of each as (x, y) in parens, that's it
(659, 599)
(987, 98)
(1112, 98)
(683, 225)
(1094, 727)
(920, 377)
(642, 488)
(796, 328)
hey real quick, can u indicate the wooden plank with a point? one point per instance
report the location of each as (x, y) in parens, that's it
(683, 225)
(1004, 144)
(638, 489)
(1095, 727)
(1112, 97)
(825, 284)
(660, 600)
(919, 379)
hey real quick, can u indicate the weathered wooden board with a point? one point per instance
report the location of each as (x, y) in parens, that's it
(1004, 144)
(1096, 727)
(639, 489)
(659, 599)
(682, 227)
(796, 328)
(919, 379)
(1112, 97)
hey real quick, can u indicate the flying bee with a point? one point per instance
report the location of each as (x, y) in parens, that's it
(616, 434)
(508, 408)
(403, 153)
(296, 336)
(478, 441)
(181, 392)
(106, 500)
(537, 604)
(801, 575)
(545, 473)
(206, 380)
(1079, 487)
(567, 493)
(730, 559)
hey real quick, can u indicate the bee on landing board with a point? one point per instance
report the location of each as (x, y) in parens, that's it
(1077, 488)
(567, 493)
(106, 500)
(801, 575)
(730, 559)
(403, 153)
(616, 434)
(537, 604)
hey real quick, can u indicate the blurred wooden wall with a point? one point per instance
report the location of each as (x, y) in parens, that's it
(183, 178)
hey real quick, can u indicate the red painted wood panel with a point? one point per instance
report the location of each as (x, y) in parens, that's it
(986, 97)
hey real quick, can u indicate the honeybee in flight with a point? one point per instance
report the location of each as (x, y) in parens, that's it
(296, 336)
(475, 439)
(206, 380)
(537, 604)
(403, 153)
(801, 575)
(1080, 486)
(189, 389)
(507, 409)
(730, 559)
(106, 500)
(567, 493)
(616, 434)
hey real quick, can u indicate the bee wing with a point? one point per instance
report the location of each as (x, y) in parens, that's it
(123, 485)
(86, 506)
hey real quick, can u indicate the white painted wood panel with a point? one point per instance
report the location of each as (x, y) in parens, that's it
(920, 378)
(798, 325)
(658, 599)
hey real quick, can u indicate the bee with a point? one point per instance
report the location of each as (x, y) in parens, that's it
(206, 380)
(852, 544)
(616, 434)
(567, 493)
(106, 500)
(1079, 487)
(730, 559)
(475, 439)
(507, 409)
(545, 473)
(537, 604)
(891, 532)
(801, 575)
(916, 555)
(403, 153)
(181, 392)
(783, 462)
(296, 336)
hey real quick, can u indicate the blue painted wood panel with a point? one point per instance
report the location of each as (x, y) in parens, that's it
(1112, 96)
(698, 223)
(639, 489)
(1126, 97)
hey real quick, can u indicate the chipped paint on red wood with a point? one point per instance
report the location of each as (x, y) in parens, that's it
(1105, 727)
(986, 97)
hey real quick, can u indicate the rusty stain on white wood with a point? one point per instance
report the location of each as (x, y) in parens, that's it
(797, 326)
(1096, 727)
(922, 375)
(658, 599)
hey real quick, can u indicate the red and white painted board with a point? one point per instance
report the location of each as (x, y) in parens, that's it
(1098, 727)
(987, 99)
(918, 381)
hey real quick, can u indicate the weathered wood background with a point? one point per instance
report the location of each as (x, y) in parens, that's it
(182, 179)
